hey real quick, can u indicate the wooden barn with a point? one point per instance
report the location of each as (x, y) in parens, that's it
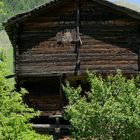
(64, 38)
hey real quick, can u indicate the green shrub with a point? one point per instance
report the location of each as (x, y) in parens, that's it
(14, 114)
(111, 110)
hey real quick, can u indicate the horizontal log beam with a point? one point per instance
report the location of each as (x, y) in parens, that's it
(48, 126)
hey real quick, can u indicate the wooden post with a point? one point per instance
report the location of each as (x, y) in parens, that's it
(61, 94)
(14, 47)
(57, 128)
(77, 25)
(77, 69)
(15, 53)
(138, 57)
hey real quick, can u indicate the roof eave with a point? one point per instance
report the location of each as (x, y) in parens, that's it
(23, 16)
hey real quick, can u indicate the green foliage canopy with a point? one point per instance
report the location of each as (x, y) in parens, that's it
(111, 110)
(14, 114)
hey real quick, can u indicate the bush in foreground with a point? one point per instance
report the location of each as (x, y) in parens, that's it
(14, 114)
(110, 110)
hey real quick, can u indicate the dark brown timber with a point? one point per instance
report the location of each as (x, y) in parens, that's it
(139, 57)
(77, 69)
(61, 40)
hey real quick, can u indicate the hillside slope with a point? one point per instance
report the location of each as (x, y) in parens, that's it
(8, 50)
(128, 5)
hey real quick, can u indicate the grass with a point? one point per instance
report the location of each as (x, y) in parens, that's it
(6, 45)
(8, 50)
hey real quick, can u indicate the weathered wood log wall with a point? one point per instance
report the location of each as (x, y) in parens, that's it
(44, 94)
(109, 41)
(40, 53)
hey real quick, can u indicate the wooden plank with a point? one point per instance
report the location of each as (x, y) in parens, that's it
(69, 63)
(106, 57)
(61, 94)
(108, 67)
(65, 69)
(26, 58)
(48, 113)
(48, 126)
(138, 57)
(106, 46)
(82, 72)
(42, 68)
(43, 101)
(42, 74)
(109, 62)
(114, 71)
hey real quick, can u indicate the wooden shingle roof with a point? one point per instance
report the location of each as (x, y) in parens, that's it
(23, 16)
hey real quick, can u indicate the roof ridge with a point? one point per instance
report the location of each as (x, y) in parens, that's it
(22, 16)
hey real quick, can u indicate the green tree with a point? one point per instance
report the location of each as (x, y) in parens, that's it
(9, 8)
(111, 110)
(2, 13)
(14, 114)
